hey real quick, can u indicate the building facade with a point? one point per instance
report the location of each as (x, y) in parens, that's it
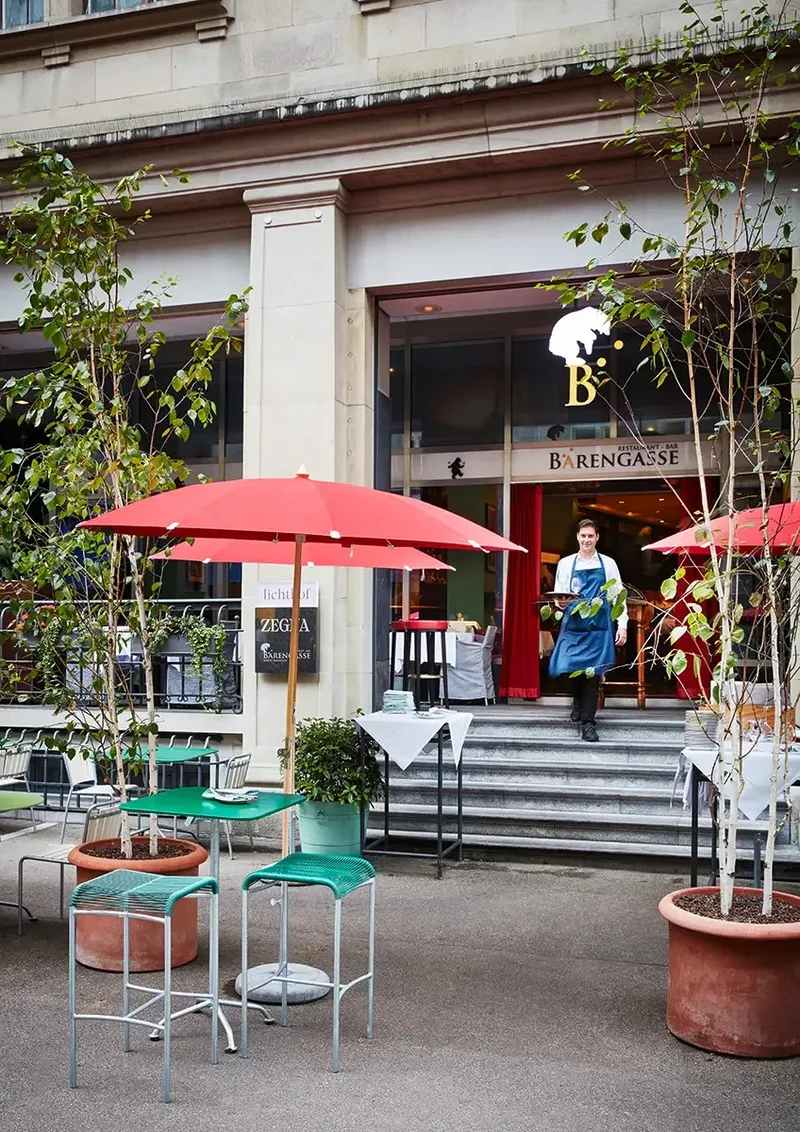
(390, 177)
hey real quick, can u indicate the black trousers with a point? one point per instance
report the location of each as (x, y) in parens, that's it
(585, 690)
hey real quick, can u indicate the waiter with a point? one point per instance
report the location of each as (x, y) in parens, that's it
(587, 644)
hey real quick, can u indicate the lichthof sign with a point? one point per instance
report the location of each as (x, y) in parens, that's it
(274, 627)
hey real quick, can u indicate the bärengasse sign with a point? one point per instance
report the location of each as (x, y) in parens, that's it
(607, 460)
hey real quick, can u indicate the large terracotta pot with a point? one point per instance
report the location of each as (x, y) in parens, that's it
(99, 938)
(733, 988)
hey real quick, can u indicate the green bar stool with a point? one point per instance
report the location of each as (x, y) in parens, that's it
(144, 896)
(342, 875)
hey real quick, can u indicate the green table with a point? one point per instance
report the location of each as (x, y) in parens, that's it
(11, 800)
(188, 802)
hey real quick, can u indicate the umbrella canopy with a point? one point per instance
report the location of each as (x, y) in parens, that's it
(743, 531)
(314, 554)
(320, 510)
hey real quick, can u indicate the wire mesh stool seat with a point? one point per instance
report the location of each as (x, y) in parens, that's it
(134, 895)
(342, 875)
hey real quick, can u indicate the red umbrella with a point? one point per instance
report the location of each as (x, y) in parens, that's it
(319, 510)
(743, 531)
(298, 510)
(314, 554)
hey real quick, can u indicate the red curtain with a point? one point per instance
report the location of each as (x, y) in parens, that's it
(519, 675)
(691, 686)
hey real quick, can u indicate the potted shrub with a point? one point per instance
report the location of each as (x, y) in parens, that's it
(338, 778)
(710, 301)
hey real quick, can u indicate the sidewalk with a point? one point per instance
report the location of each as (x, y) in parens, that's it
(509, 998)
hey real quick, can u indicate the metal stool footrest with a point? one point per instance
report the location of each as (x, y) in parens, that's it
(132, 895)
(342, 875)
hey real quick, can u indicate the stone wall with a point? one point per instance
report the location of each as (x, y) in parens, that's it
(161, 67)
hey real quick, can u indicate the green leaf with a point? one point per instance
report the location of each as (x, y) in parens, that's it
(669, 587)
(688, 339)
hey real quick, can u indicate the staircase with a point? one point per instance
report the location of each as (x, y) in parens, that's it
(531, 783)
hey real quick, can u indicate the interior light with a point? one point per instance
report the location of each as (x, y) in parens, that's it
(428, 308)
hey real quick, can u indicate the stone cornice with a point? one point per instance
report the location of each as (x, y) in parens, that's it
(291, 194)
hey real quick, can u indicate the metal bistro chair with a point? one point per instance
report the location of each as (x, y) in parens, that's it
(342, 875)
(101, 822)
(472, 677)
(14, 764)
(235, 776)
(82, 775)
(145, 896)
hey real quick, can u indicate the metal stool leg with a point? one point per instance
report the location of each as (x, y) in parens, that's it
(283, 953)
(371, 986)
(213, 974)
(168, 1006)
(73, 1024)
(244, 972)
(126, 982)
(337, 994)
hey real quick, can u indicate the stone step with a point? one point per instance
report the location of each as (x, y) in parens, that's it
(786, 854)
(506, 795)
(657, 751)
(671, 828)
(549, 724)
(589, 772)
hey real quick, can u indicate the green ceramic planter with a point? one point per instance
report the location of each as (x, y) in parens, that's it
(330, 827)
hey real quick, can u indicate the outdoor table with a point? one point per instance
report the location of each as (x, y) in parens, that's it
(179, 756)
(402, 738)
(188, 802)
(753, 800)
(10, 801)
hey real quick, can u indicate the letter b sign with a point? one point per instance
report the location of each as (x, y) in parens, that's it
(582, 389)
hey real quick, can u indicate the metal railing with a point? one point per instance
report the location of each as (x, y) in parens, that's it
(181, 683)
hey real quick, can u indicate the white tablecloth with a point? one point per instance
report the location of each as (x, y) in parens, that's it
(756, 768)
(403, 737)
(450, 639)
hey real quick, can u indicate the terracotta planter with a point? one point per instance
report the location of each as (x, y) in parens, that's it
(733, 988)
(99, 938)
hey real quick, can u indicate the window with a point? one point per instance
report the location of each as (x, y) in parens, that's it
(540, 389)
(18, 13)
(457, 394)
(397, 389)
(96, 6)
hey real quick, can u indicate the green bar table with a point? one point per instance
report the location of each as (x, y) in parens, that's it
(188, 802)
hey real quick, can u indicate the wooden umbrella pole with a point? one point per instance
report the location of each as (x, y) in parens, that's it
(291, 687)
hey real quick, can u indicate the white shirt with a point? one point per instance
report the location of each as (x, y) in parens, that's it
(564, 577)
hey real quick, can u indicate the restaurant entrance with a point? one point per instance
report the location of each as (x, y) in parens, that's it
(629, 515)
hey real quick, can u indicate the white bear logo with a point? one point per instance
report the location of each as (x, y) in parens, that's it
(578, 328)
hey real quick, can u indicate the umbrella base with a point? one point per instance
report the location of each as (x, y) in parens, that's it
(261, 985)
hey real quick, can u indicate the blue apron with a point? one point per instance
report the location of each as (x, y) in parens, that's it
(585, 642)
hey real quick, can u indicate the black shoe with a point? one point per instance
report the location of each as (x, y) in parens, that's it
(589, 733)
(575, 714)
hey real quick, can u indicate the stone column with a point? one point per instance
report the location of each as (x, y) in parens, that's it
(308, 400)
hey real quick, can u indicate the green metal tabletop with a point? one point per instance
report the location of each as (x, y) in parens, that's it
(166, 756)
(188, 802)
(18, 800)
